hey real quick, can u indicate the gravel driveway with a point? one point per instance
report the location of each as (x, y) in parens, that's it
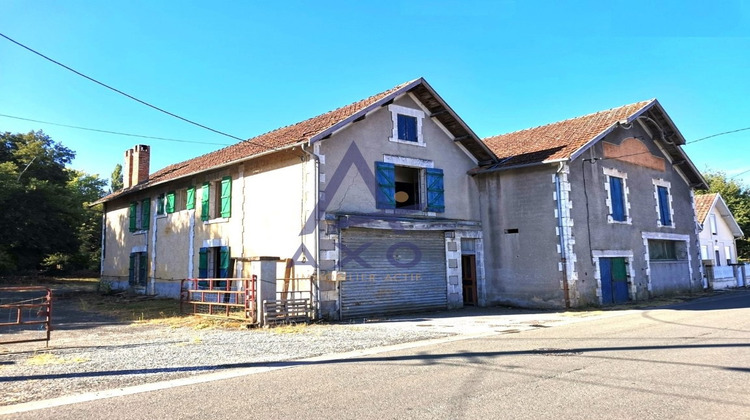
(90, 353)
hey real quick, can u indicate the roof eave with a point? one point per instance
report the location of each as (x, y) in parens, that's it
(478, 171)
(729, 217)
(359, 114)
(147, 185)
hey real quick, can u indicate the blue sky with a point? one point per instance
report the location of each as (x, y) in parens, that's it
(246, 67)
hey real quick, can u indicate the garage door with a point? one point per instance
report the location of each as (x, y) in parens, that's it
(390, 272)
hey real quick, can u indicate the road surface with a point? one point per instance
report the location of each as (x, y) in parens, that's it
(690, 361)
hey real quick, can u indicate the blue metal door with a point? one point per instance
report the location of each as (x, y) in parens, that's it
(614, 280)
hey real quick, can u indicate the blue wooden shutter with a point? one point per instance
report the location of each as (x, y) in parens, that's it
(226, 197)
(616, 193)
(170, 202)
(435, 190)
(142, 268)
(145, 213)
(407, 127)
(205, 191)
(132, 215)
(190, 198)
(131, 269)
(664, 212)
(385, 193)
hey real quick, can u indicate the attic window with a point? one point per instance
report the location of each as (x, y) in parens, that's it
(407, 125)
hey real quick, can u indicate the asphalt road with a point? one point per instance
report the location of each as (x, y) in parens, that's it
(690, 361)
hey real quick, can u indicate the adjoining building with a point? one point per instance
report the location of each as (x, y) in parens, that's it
(593, 210)
(719, 231)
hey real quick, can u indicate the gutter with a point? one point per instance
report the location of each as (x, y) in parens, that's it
(317, 224)
(473, 172)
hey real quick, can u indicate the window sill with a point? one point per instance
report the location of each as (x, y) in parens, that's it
(412, 143)
(217, 220)
(140, 232)
(665, 226)
(628, 221)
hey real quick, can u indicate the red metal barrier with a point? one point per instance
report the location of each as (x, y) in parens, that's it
(28, 310)
(228, 298)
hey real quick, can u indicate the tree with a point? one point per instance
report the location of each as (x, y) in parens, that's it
(737, 197)
(115, 182)
(42, 203)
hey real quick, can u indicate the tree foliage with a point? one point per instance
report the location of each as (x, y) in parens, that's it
(116, 182)
(45, 215)
(737, 197)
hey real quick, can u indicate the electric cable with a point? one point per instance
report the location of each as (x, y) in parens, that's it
(130, 96)
(115, 132)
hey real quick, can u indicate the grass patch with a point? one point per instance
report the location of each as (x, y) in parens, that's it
(43, 359)
(290, 329)
(149, 310)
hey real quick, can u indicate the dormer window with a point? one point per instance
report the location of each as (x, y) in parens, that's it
(407, 125)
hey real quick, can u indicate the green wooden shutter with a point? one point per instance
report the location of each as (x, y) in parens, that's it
(142, 268)
(190, 198)
(205, 196)
(224, 262)
(131, 269)
(145, 213)
(170, 202)
(203, 267)
(385, 194)
(226, 197)
(435, 190)
(223, 266)
(132, 215)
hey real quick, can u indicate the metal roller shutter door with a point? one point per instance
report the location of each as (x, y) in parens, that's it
(390, 272)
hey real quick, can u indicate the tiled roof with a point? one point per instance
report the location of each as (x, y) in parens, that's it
(557, 141)
(279, 138)
(703, 203)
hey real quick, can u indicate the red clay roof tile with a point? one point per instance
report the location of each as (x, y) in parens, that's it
(703, 203)
(557, 141)
(276, 139)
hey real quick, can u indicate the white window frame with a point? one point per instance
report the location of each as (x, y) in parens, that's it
(612, 172)
(411, 112)
(728, 254)
(666, 184)
(712, 224)
(704, 252)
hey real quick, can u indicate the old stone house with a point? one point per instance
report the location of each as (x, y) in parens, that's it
(393, 204)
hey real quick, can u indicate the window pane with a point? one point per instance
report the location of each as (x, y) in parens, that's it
(662, 250)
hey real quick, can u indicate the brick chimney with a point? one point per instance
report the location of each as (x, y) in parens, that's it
(127, 170)
(141, 161)
(137, 161)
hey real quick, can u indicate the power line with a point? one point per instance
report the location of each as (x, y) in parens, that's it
(686, 143)
(127, 95)
(113, 132)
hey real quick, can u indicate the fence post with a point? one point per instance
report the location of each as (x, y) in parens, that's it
(265, 269)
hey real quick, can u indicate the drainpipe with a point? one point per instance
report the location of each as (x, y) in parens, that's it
(563, 257)
(317, 226)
